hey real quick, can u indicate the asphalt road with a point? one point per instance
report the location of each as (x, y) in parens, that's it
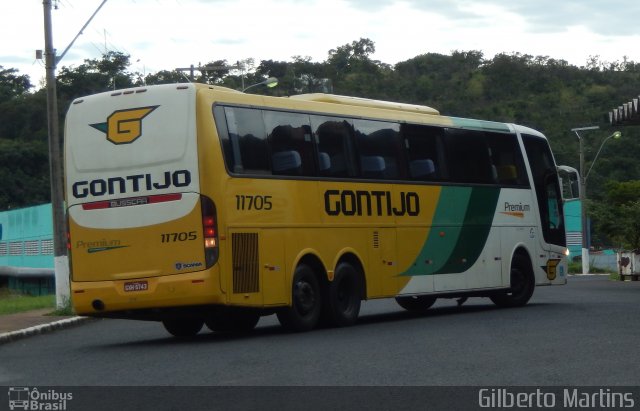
(584, 333)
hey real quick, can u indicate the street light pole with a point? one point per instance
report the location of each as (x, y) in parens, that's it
(615, 136)
(270, 82)
(583, 191)
(583, 203)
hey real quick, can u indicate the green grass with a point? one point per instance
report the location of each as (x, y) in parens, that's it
(614, 276)
(12, 302)
(575, 267)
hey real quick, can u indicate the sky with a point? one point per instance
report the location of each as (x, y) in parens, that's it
(167, 34)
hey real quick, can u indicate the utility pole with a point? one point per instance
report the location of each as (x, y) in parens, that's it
(60, 258)
(209, 67)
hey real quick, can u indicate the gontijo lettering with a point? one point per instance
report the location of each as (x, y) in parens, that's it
(379, 203)
(131, 184)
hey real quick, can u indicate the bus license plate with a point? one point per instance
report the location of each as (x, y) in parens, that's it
(136, 286)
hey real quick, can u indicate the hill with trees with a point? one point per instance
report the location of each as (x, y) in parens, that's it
(549, 95)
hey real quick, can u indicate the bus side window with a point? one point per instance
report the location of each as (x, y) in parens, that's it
(378, 147)
(333, 137)
(469, 157)
(248, 141)
(290, 143)
(506, 157)
(223, 133)
(421, 147)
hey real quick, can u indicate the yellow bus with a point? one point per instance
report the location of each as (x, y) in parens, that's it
(193, 204)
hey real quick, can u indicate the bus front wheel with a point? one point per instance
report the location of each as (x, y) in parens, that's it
(183, 327)
(306, 302)
(522, 285)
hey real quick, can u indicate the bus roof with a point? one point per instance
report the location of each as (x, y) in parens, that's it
(348, 101)
(528, 130)
(365, 102)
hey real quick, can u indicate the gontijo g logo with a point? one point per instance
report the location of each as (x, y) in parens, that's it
(124, 126)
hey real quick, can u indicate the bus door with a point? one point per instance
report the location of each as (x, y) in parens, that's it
(552, 243)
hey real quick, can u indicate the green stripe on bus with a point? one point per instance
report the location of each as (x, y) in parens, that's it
(475, 230)
(450, 247)
(444, 233)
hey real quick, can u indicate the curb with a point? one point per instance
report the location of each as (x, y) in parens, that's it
(41, 329)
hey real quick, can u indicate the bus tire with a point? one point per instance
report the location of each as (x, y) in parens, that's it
(343, 297)
(417, 304)
(306, 302)
(183, 327)
(522, 283)
(231, 320)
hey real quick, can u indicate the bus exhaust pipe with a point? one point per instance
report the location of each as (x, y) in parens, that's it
(97, 305)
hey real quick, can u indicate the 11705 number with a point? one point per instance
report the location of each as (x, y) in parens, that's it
(175, 237)
(247, 202)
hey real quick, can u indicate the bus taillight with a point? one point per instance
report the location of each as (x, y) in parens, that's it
(209, 231)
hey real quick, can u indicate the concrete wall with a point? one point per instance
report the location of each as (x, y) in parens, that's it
(604, 261)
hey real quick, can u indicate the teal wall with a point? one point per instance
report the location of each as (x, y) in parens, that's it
(26, 237)
(573, 221)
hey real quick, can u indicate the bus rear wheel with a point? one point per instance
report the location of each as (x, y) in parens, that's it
(343, 297)
(306, 302)
(522, 285)
(232, 320)
(416, 303)
(183, 327)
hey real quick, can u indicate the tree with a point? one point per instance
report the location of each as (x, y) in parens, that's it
(12, 85)
(94, 76)
(298, 76)
(165, 77)
(546, 94)
(350, 57)
(217, 71)
(449, 83)
(354, 72)
(24, 173)
(617, 216)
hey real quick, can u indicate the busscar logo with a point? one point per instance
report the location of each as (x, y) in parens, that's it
(124, 126)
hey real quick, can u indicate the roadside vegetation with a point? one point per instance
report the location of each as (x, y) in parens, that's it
(575, 267)
(547, 94)
(12, 302)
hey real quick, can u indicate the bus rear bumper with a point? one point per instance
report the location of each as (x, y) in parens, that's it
(99, 298)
